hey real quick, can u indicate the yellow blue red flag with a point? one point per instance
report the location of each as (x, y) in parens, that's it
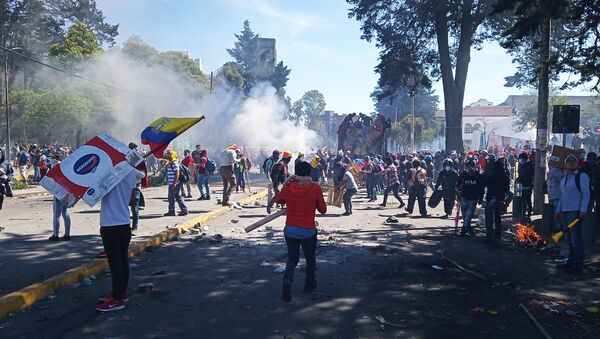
(162, 131)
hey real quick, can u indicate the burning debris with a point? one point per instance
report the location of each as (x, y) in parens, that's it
(528, 237)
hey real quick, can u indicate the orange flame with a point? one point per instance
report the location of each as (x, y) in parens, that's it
(526, 234)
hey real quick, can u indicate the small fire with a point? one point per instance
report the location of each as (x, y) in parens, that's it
(527, 235)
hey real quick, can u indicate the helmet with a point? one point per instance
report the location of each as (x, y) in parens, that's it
(428, 158)
(287, 154)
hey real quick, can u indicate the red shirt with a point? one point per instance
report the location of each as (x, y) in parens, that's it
(302, 201)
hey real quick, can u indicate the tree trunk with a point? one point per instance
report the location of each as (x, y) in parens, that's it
(454, 84)
(542, 118)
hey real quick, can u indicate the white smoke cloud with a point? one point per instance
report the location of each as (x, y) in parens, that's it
(151, 91)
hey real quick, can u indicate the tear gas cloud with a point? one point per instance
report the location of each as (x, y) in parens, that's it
(149, 91)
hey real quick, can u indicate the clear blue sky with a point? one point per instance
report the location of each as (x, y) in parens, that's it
(315, 39)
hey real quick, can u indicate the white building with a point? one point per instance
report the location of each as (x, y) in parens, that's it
(478, 119)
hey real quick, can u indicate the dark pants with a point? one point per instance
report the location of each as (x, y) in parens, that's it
(527, 202)
(1, 200)
(135, 208)
(493, 219)
(309, 247)
(417, 192)
(372, 187)
(392, 188)
(576, 250)
(228, 182)
(449, 202)
(116, 245)
(348, 199)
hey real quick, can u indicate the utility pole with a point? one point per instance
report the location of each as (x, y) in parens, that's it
(542, 117)
(7, 107)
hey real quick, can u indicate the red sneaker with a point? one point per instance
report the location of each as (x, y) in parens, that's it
(111, 305)
(125, 298)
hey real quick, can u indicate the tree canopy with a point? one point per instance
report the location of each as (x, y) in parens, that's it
(253, 64)
(423, 40)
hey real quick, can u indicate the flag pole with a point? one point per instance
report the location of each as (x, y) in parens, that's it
(152, 150)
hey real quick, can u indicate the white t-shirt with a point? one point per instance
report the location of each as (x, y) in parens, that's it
(114, 208)
(228, 158)
(350, 182)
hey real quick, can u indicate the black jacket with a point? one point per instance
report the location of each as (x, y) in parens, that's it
(448, 180)
(470, 185)
(526, 173)
(498, 185)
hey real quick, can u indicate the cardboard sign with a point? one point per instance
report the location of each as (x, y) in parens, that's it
(559, 154)
(91, 171)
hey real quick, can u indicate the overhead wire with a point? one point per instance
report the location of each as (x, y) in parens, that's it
(65, 71)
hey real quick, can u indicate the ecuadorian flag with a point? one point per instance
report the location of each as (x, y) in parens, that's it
(160, 133)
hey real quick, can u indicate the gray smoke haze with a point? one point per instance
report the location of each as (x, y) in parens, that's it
(152, 91)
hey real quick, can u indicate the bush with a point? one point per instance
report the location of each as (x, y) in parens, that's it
(19, 185)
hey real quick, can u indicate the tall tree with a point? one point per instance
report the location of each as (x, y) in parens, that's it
(531, 23)
(79, 44)
(313, 103)
(422, 40)
(257, 65)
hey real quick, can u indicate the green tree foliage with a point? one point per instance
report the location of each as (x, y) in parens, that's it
(79, 44)
(176, 61)
(35, 25)
(182, 63)
(423, 40)
(575, 39)
(256, 66)
(426, 103)
(45, 115)
(308, 109)
(401, 130)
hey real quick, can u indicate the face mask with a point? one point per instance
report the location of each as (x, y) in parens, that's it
(448, 168)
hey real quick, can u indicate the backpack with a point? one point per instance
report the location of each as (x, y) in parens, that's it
(420, 177)
(278, 173)
(211, 166)
(265, 165)
(184, 174)
(23, 157)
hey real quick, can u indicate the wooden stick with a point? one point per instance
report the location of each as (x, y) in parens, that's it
(537, 324)
(265, 220)
(463, 269)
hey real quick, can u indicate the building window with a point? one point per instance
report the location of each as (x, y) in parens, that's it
(477, 127)
(468, 129)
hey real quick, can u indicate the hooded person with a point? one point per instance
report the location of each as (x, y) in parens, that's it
(498, 186)
(279, 173)
(525, 177)
(448, 179)
(470, 189)
(302, 198)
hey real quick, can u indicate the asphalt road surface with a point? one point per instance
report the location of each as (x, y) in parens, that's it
(376, 280)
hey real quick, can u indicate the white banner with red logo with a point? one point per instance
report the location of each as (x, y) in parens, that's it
(91, 171)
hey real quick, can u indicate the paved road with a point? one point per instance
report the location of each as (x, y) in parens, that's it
(366, 268)
(28, 257)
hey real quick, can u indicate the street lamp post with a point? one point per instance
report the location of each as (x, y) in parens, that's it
(412, 116)
(7, 107)
(6, 99)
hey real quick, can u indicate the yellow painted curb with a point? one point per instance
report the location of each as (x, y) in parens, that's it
(29, 295)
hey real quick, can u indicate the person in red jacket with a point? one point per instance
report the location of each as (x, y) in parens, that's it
(302, 197)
